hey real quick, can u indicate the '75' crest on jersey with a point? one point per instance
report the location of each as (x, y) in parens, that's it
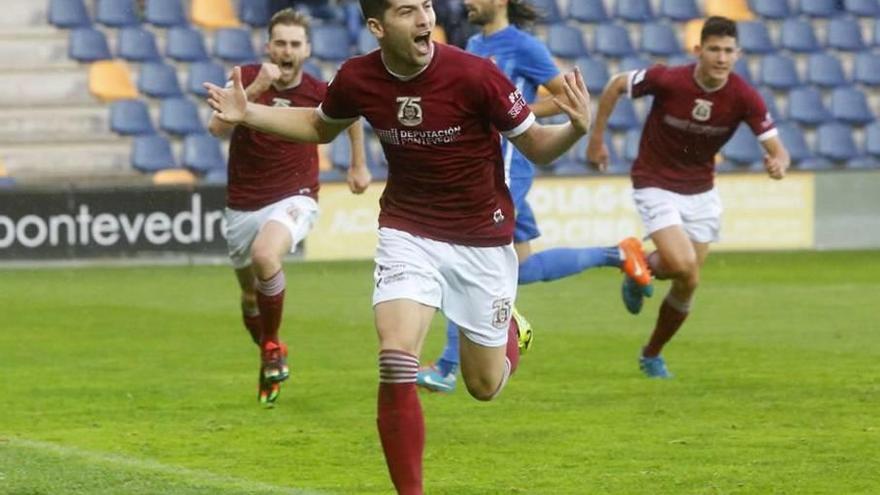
(409, 110)
(702, 110)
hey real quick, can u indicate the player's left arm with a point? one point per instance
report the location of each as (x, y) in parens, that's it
(776, 160)
(359, 176)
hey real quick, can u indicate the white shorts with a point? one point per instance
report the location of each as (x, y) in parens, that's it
(297, 213)
(699, 214)
(474, 286)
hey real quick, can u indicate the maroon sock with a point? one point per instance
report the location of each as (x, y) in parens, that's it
(669, 320)
(270, 300)
(400, 421)
(512, 345)
(254, 325)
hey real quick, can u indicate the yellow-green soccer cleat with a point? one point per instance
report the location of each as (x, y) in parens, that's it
(523, 331)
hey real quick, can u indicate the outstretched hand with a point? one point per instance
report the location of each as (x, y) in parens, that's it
(578, 105)
(229, 104)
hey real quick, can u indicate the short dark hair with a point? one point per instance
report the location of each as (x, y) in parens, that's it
(718, 26)
(289, 17)
(520, 13)
(373, 8)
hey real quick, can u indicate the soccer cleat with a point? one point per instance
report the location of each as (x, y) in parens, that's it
(634, 263)
(268, 391)
(654, 367)
(430, 378)
(523, 331)
(634, 294)
(274, 362)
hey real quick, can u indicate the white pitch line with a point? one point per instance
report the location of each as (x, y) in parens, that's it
(197, 477)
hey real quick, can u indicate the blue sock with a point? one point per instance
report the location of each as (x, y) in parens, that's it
(448, 361)
(557, 263)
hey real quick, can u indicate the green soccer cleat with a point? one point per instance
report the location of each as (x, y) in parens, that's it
(523, 332)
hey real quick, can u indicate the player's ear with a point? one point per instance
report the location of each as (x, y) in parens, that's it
(375, 28)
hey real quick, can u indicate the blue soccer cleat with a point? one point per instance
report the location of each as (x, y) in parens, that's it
(654, 367)
(634, 294)
(430, 379)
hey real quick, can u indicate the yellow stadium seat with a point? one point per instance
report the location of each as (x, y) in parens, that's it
(214, 14)
(439, 34)
(174, 176)
(324, 157)
(110, 80)
(737, 10)
(3, 172)
(692, 34)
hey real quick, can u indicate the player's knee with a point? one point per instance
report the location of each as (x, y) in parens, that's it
(684, 267)
(264, 259)
(482, 389)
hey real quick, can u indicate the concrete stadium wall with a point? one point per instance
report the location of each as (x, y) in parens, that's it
(848, 210)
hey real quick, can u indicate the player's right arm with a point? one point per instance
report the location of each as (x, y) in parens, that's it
(296, 123)
(597, 151)
(269, 73)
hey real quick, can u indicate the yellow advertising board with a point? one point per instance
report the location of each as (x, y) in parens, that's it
(346, 227)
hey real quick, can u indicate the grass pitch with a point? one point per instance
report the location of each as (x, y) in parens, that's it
(142, 381)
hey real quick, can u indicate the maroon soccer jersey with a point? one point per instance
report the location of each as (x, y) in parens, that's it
(688, 124)
(264, 168)
(439, 130)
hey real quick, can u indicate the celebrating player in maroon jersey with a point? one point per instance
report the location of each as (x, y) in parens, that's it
(696, 109)
(273, 190)
(446, 217)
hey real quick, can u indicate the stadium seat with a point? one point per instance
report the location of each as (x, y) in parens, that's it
(566, 41)
(805, 106)
(87, 44)
(136, 44)
(174, 177)
(612, 40)
(332, 175)
(165, 13)
(202, 154)
(213, 14)
(438, 35)
(798, 36)
(743, 148)
(844, 33)
(741, 68)
(682, 59)
(313, 69)
(770, 102)
(659, 39)
(872, 139)
(779, 72)
(110, 80)
(548, 10)
(834, 141)
(862, 8)
(867, 69)
(737, 10)
(754, 37)
(234, 46)
(340, 152)
(820, 8)
(215, 177)
(849, 105)
(185, 44)
(366, 42)
(633, 62)
(592, 11)
(770, 9)
(679, 10)
(631, 144)
(623, 117)
(117, 13)
(595, 73)
(254, 12)
(130, 118)
(692, 31)
(633, 10)
(180, 116)
(159, 80)
(351, 17)
(68, 14)
(330, 42)
(791, 136)
(876, 33)
(202, 72)
(824, 69)
(152, 153)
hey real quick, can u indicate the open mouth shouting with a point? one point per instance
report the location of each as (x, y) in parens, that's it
(423, 43)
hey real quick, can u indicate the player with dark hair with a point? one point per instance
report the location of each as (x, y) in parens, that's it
(696, 109)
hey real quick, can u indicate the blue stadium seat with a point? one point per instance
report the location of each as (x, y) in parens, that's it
(68, 14)
(595, 73)
(743, 148)
(185, 44)
(634, 10)
(202, 72)
(366, 42)
(683, 59)
(824, 69)
(634, 62)
(215, 176)
(849, 105)
(87, 44)
(741, 67)
(352, 19)
(549, 11)
(631, 144)
(330, 42)
(180, 116)
(862, 8)
(770, 9)
(805, 106)
(202, 154)
(867, 69)
(234, 46)
(872, 139)
(770, 102)
(779, 72)
(332, 175)
(876, 33)
(834, 141)
(659, 39)
(254, 12)
(592, 11)
(152, 153)
(313, 69)
(844, 33)
(679, 10)
(159, 80)
(566, 41)
(820, 8)
(130, 118)
(754, 37)
(791, 136)
(165, 13)
(612, 40)
(624, 117)
(340, 152)
(137, 45)
(798, 36)
(117, 13)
